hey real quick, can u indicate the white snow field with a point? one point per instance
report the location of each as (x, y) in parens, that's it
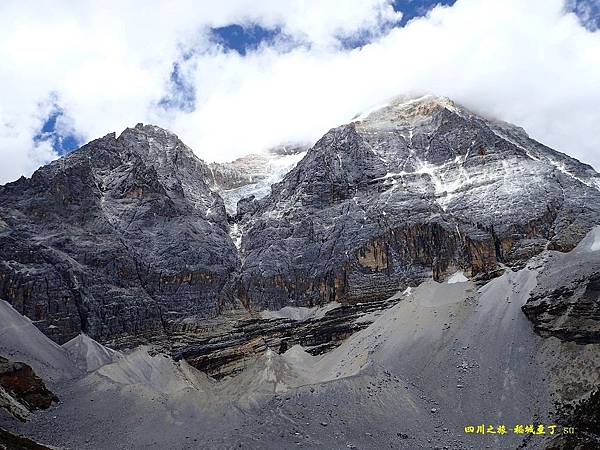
(275, 167)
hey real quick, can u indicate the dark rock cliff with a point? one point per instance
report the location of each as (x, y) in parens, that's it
(120, 236)
(417, 189)
(566, 302)
(129, 236)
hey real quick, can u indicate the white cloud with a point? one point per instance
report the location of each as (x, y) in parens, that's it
(19, 155)
(109, 63)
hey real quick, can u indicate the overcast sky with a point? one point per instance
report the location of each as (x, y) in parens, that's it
(238, 76)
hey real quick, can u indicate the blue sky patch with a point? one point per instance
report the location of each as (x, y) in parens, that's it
(409, 9)
(244, 38)
(61, 143)
(356, 40)
(181, 93)
(417, 8)
(588, 12)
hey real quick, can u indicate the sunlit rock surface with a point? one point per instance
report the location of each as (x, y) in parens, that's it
(418, 188)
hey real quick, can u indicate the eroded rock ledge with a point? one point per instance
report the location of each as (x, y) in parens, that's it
(238, 342)
(21, 390)
(128, 236)
(566, 303)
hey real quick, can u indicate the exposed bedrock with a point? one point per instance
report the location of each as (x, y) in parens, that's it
(417, 189)
(115, 238)
(566, 302)
(21, 390)
(236, 343)
(128, 237)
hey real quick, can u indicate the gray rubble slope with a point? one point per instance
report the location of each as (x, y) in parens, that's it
(21, 340)
(446, 356)
(87, 354)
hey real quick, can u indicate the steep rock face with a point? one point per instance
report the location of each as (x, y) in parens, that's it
(120, 236)
(419, 188)
(130, 234)
(566, 302)
(236, 343)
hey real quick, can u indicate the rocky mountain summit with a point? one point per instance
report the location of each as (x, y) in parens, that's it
(117, 237)
(131, 236)
(418, 188)
(423, 265)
